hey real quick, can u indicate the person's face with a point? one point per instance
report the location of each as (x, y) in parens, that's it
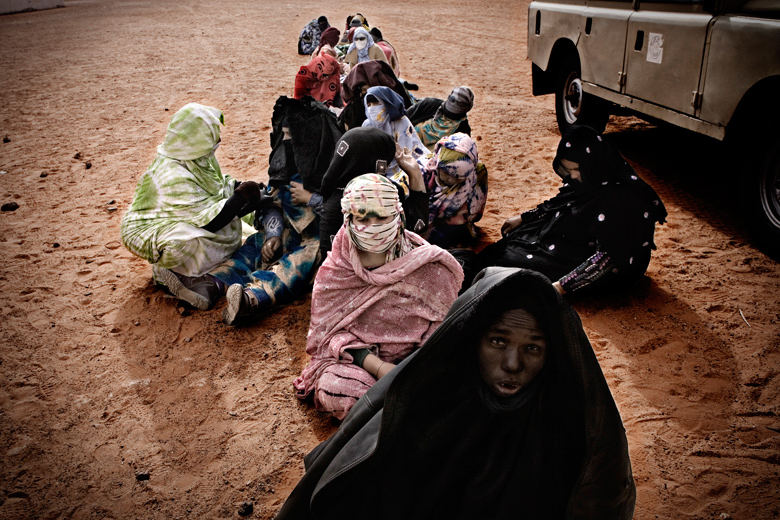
(445, 179)
(371, 221)
(572, 169)
(512, 353)
(361, 41)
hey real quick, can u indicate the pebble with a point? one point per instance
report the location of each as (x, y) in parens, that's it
(87, 165)
(246, 508)
(6, 140)
(44, 174)
(111, 201)
(112, 209)
(55, 244)
(10, 206)
(142, 475)
(77, 156)
(187, 340)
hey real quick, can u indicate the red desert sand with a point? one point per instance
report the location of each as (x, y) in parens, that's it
(116, 401)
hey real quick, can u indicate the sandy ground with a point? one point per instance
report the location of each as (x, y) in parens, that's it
(104, 379)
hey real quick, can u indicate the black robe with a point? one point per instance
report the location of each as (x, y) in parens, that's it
(610, 211)
(429, 441)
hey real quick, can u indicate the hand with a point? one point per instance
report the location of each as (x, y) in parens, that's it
(300, 195)
(249, 190)
(270, 248)
(559, 288)
(407, 162)
(510, 224)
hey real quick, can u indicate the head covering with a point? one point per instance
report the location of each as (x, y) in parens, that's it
(600, 165)
(446, 201)
(356, 153)
(319, 79)
(460, 101)
(376, 34)
(314, 132)
(183, 190)
(329, 36)
(193, 132)
(374, 195)
(430, 433)
(372, 73)
(362, 53)
(361, 21)
(598, 161)
(392, 107)
(322, 22)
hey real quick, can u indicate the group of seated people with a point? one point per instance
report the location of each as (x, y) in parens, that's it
(505, 406)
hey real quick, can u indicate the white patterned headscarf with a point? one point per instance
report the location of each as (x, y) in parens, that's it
(374, 195)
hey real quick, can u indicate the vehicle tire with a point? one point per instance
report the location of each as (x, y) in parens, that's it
(572, 105)
(761, 193)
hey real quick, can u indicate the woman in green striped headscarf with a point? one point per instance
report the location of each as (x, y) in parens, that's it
(184, 218)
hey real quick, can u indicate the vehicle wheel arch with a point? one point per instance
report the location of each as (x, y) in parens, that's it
(544, 79)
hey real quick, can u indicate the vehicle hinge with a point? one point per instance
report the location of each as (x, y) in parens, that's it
(696, 99)
(621, 79)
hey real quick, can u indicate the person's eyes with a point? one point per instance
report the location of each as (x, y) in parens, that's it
(362, 220)
(498, 342)
(533, 348)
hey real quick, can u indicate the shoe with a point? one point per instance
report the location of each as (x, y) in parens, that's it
(199, 291)
(240, 304)
(411, 86)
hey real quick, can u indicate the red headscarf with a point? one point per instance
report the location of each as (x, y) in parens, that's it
(318, 79)
(329, 36)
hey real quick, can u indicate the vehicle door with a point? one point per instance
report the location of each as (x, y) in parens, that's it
(602, 42)
(664, 53)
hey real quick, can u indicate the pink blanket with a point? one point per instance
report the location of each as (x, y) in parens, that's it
(397, 306)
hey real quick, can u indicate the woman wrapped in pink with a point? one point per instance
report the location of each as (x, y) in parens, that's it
(381, 292)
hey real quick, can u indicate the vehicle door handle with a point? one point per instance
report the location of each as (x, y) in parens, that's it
(640, 40)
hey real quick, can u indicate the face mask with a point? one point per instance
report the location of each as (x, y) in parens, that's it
(375, 238)
(376, 113)
(361, 44)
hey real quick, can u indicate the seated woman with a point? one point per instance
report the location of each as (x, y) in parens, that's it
(363, 49)
(385, 111)
(354, 21)
(597, 232)
(457, 188)
(387, 48)
(275, 266)
(433, 118)
(380, 293)
(504, 413)
(309, 38)
(319, 79)
(184, 218)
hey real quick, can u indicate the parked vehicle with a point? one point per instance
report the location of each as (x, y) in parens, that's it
(710, 66)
